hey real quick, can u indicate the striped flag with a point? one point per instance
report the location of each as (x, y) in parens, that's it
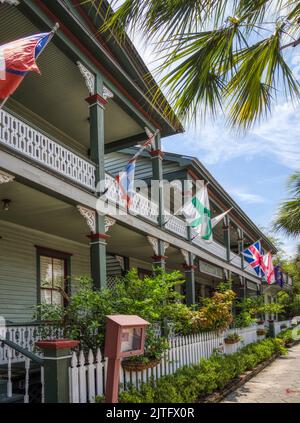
(269, 268)
(17, 58)
(125, 179)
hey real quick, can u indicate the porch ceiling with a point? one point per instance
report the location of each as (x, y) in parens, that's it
(42, 212)
(58, 94)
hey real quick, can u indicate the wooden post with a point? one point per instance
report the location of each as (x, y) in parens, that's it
(57, 360)
(226, 232)
(189, 270)
(98, 240)
(157, 174)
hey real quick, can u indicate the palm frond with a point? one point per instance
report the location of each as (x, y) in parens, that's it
(261, 69)
(202, 62)
(288, 219)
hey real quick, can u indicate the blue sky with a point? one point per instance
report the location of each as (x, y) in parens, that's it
(252, 168)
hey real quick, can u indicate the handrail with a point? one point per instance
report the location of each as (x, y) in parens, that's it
(23, 351)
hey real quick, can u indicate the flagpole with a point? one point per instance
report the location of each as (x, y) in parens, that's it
(142, 148)
(3, 103)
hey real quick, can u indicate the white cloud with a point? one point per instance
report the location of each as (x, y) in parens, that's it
(243, 195)
(276, 139)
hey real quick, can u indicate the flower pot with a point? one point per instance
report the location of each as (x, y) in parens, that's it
(231, 341)
(260, 332)
(139, 366)
(260, 322)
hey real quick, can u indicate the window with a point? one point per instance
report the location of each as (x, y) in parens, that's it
(53, 269)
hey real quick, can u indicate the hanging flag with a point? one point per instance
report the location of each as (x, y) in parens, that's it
(125, 179)
(198, 214)
(254, 256)
(217, 219)
(17, 58)
(278, 275)
(269, 268)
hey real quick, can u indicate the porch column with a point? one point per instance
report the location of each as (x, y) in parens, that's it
(159, 248)
(57, 360)
(157, 173)
(226, 233)
(97, 104)
(189, 271)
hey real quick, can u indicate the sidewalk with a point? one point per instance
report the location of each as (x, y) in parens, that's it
(279, 382)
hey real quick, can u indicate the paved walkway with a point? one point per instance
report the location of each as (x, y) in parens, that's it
(279, 382)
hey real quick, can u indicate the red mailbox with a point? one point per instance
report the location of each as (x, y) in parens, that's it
(124, 337)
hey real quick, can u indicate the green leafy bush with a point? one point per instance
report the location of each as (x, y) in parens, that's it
(288, 336)
(189, 384)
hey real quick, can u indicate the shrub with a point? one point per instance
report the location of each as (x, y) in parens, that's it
(188, 384)
(288, 336)
(215, 313)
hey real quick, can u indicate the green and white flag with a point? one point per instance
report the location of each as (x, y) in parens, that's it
(198, 214)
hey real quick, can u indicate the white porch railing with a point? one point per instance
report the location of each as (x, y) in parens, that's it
(88, 373)
(175, 225)
(32, 143)
(25, 336)
(141, 205)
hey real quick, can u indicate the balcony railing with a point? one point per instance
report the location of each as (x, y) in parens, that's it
(25, 336)
(32, 143)
(141, 205)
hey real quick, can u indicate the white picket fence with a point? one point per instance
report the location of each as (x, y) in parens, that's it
(278, 326)
(88, 372)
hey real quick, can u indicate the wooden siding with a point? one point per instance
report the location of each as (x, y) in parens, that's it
(115, 163)
(18, 267)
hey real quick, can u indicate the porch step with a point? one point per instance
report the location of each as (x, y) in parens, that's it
(16, 398)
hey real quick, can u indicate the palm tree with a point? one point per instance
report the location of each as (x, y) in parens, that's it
(288, 218)
(218, 55)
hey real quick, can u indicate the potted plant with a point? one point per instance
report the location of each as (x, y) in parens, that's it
(154, 348)
(232, 338)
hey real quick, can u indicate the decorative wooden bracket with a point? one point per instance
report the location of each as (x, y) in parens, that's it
(5, 177)
(109, 222)
(88, 76)
(90, 217)
(155, 245)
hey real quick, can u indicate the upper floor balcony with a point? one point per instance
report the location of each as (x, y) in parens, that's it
(29, 143)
